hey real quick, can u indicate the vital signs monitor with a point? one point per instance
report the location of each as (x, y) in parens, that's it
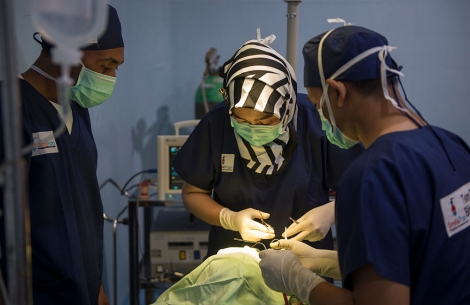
(169, 182)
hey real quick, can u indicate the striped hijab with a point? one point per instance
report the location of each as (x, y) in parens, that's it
(259, 72)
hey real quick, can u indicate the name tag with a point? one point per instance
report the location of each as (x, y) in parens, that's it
(227, 161)
(456, 210)
(44, 143)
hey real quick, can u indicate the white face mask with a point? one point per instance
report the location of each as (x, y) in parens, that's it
(382, 54)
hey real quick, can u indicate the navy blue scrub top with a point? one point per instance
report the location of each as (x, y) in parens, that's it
(394, 206)
(65, 206)
(315, 168)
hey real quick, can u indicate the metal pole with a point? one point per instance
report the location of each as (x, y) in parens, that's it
(115, 222)
(292, 32)
(134, 275)
(16, 209)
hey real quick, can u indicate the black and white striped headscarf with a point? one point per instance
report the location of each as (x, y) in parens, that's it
(257, 71)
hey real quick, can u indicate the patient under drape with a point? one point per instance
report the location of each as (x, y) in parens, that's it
(233, 278)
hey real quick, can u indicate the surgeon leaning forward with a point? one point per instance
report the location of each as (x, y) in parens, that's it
(261, 158)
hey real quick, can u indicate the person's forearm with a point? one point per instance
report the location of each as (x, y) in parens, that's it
(329, 294)
(203, 206)
(331, 207)
(102, 298)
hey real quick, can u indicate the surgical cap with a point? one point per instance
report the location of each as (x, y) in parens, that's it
(110, 39)
(258, 71)
(340, 46)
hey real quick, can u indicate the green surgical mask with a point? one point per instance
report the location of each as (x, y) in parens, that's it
(257, 135)
(334, 135)
(92, 88)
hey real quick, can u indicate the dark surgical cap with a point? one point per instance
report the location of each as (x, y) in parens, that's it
(340, 46)
(110, 39)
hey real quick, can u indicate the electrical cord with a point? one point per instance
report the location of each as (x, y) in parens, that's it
(125, 192)
(147, 171)
(125, 221)
(110, 180)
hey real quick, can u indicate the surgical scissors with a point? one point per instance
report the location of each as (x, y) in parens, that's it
(253, 242)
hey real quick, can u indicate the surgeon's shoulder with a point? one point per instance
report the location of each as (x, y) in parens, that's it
(308, 118)
(304, 102)
(443, 133)
(218, 110)
(214, 123)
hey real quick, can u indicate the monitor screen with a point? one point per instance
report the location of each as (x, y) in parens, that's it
(176, 183)
(169, 182)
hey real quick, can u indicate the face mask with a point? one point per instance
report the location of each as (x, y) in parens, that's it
(334, 135)
(92, 88)
(257, 135)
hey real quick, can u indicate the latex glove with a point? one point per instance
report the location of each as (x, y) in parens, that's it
(243, 222)
(315, 224)
(282, 271)
(322, 262)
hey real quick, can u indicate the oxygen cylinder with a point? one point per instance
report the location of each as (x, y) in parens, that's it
(207, 93)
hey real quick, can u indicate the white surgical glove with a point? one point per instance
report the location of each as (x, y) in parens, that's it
(322, 262)
(243, 222)
(282, 271)
(315, 224)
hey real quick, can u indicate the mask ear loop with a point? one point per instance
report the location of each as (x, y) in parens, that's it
(383, 77)
(407, 114)
(323, 83)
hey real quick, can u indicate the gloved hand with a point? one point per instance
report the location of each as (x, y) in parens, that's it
(314, 225)
(282, 271)
(243, 222)
(322, 262)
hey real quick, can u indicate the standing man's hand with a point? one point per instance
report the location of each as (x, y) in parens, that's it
(282, 271)
(322, 262)
(314, 225)
(102, 298)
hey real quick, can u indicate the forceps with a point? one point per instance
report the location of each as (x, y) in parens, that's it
(268, 226)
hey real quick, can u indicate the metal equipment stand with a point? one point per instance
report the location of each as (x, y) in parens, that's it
(12, 171)
(135, 281)
(292, 32)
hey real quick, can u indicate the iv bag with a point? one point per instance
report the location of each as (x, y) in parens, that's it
(69, 23)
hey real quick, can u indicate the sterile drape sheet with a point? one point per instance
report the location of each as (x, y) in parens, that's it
(222, 279)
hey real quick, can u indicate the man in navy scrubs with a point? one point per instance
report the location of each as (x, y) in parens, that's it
(66, 212)
(402, 207)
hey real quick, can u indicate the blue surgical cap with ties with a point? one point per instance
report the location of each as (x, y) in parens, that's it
(340, 46)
